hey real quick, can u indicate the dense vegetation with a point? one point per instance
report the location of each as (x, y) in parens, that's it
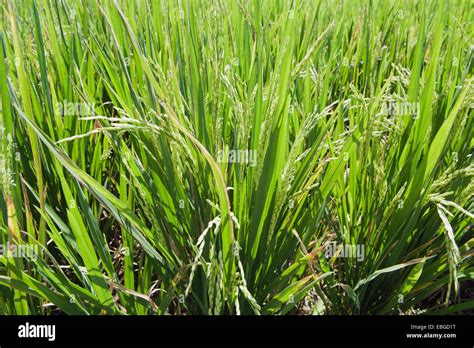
(240, 157)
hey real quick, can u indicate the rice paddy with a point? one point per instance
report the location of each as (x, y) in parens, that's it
(236, 157)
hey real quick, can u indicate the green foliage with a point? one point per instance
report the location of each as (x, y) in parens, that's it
(202, 157)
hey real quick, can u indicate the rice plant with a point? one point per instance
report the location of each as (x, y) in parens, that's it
(236, 157)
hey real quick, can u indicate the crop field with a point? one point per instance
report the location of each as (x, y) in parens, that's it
(184, 157)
